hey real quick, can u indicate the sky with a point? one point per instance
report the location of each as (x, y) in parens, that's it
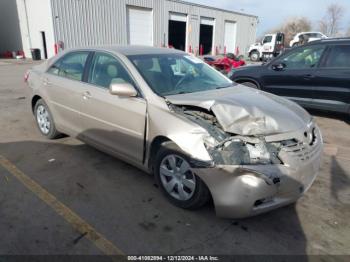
(272, 13)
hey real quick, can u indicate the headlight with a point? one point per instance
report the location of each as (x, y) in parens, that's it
(258, 153)
(239, 152)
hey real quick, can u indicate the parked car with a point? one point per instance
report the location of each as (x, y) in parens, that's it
(226, 63)
(271, 46)
(316, 75)
(172, 115)
(306, 37)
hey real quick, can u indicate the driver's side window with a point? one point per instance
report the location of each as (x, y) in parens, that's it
(267, 39)
(304, 58)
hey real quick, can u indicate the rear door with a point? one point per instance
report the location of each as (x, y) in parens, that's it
(332, 91)
(64, 88)
(293, 74)
(117, 124)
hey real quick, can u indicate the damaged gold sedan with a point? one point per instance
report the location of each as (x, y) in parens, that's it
(172, 115)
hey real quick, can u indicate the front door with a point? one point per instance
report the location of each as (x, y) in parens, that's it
(293, 75)
(115, 123)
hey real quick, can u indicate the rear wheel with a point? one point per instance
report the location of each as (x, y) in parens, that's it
(254, 56)
(178, 182)
(44, 120)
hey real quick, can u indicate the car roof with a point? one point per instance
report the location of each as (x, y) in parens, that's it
(309, 32)
(340, 40)
(132, 49)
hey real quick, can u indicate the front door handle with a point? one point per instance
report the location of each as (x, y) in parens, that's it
(46, 82)
(308, 76)
(87, 95)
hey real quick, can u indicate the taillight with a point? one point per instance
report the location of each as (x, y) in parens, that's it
(26, 77)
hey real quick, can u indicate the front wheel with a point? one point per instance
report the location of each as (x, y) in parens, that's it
(178, 182)
(254, 56)
(44, 120)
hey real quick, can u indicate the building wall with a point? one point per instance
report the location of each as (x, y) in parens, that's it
(35, 16)
(90, 22)
(10, 35)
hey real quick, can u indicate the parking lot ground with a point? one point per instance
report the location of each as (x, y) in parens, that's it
(123, 207)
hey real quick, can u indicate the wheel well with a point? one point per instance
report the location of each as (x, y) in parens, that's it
(34, 101)
(242, 80)
(155, 145)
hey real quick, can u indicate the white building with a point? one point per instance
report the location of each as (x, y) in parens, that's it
(74, 23)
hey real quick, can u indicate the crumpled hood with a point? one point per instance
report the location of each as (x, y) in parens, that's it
(246, 111)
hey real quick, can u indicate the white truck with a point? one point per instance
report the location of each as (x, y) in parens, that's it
(305, 37)
(271, 46)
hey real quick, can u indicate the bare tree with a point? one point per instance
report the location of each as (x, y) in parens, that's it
(292, 26)
(330, 24)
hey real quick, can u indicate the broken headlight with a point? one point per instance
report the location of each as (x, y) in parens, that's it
(263, 153)
(241, 151)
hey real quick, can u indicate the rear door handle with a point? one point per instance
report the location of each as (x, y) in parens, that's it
(87, 95)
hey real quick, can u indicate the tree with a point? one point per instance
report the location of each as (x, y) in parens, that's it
(292, 26)
(330, 24)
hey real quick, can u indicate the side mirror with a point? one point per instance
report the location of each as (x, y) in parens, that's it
(279, 67)
(122, 89)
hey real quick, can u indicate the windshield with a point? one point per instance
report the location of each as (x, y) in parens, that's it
(171, 74)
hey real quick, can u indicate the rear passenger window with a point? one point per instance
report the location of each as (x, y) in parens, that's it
(338, 57)
(70, 66)
(106, 70)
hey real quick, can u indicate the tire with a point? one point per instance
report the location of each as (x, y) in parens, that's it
(193, 197)
(254, 56)
(250, 84)
(44, 120)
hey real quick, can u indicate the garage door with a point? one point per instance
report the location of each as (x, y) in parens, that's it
(140, 26)
(230, 36)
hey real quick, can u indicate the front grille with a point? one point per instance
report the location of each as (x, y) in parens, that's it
(302, 150)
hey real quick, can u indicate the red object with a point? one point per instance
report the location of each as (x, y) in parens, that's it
(226, 64)
(56, 49)
(7, 54)
(201, 50)
(190, 49)
(26, 76)
(21, 53)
